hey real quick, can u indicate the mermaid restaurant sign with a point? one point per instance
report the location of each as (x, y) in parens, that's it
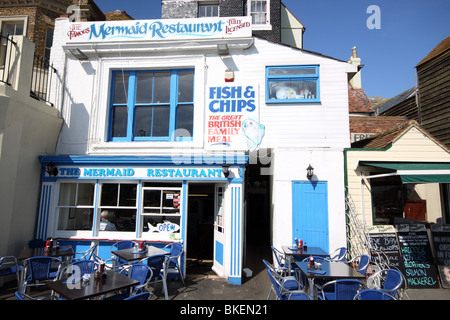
(165, 29)
(232, 119)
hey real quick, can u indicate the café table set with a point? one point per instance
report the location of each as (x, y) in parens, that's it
(327, 269)
(95, 285)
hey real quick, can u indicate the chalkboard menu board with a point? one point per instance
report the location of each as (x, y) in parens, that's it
(420, 271)
(384, 248)
(441, 239)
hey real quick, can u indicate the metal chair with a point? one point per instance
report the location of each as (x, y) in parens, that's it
(140, 272)
(289, 282)
(373, 294)
(387, 280)
(342, 289)
(9, 266)
(363, 262)
(139, 296)
(339, 254)
(38, 269)
(173, 260)
(156, 263)
(279, 286)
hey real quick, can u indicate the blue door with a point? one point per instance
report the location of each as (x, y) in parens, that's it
(310, 213)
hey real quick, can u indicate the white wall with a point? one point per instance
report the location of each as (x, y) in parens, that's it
(28, 128)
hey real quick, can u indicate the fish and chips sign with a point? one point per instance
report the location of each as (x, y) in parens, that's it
(165, 29)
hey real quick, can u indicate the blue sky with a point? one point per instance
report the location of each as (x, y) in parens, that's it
(410, 29)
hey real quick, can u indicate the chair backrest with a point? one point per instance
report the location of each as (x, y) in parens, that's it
(278, 256)
(86, 266)
(339, 254)
(139, 296)
(364, 262)
(373, 294)
(89, 254)
(40, 267)
(392, 281)
(156, 264)
(140, 272)
(346, 289)
(176, 249)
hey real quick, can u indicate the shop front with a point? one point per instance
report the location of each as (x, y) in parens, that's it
(95, 199)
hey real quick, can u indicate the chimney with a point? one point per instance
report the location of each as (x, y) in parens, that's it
(354, 60)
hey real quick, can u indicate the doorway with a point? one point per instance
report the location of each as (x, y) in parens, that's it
(200, 228)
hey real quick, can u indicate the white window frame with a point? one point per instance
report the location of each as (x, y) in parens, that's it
(267, 25)
(14, 19)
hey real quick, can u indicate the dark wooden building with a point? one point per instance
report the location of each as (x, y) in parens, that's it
(429, 103)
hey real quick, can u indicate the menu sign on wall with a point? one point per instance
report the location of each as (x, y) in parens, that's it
(232, 118)
(420, 271)
(441, 240)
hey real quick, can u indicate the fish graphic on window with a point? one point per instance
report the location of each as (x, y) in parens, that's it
(254, 132)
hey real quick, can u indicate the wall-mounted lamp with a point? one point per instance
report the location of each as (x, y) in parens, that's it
(223, 49)
(77, 53)
(51, 169)
(309, 172)
(226, 170)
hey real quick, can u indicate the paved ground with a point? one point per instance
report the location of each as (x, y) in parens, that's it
(203, 284)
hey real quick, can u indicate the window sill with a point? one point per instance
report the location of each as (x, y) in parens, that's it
(262, 27)
(290, 101)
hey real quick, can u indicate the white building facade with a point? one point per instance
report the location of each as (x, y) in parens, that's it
(162, 118)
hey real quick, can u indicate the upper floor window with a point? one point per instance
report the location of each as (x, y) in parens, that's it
(208, 10)
(152, 105)
(292, 84)
(259, 10)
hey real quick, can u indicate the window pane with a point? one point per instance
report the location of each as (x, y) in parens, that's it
(127, 197)
(185, 119)
(86, 194)
(109, 194)
(151, 223)
(152, 198)
(120, 88)
(125, 219)
(162, 87)
(49, 38)
(144, 90)
(186, 86)
(120, 119)
(292, 90)
(161, 120)
(75, 218)
(143, 122)
(67, 194)
(291, 71)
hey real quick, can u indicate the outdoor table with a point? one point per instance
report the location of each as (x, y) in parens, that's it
(62, 251)
(290, 252)
(133, 254)
(94, 287)
(331, 270)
